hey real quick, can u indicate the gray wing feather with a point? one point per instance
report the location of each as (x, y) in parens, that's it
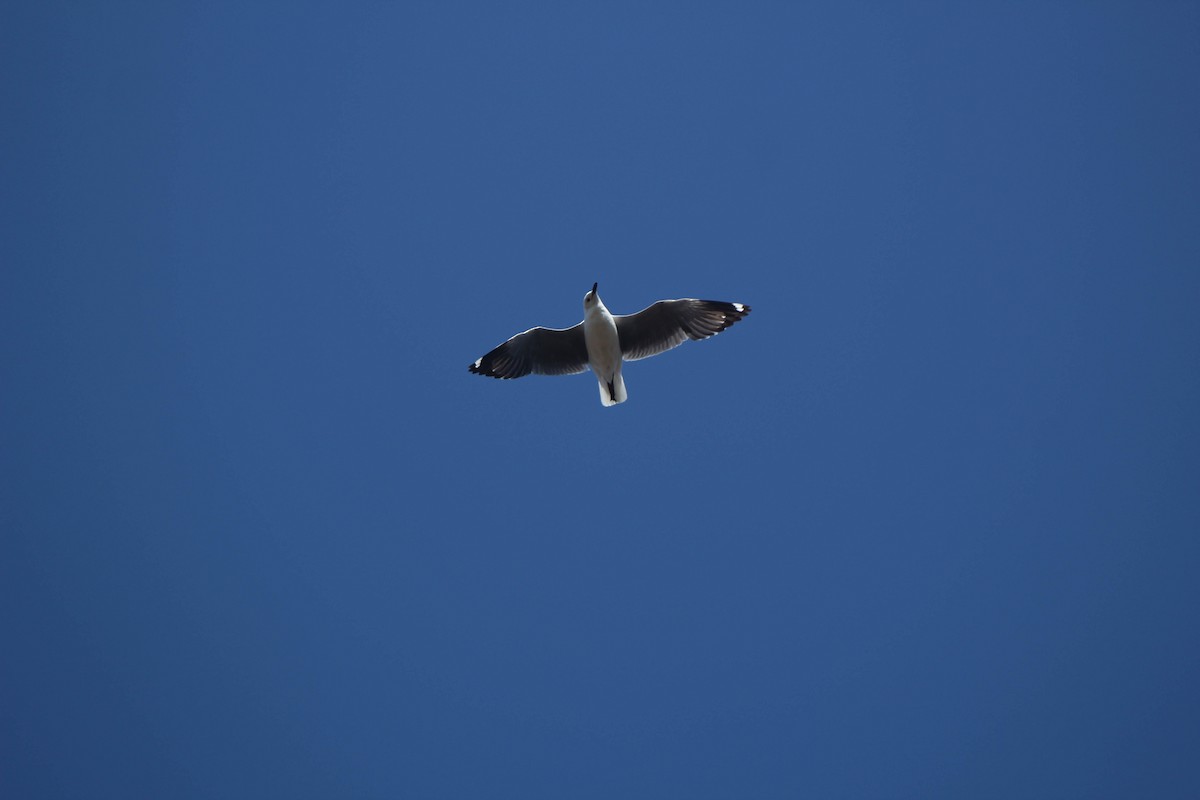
(541, 351)
(669, 323)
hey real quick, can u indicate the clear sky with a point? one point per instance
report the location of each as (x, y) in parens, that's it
(925, 524)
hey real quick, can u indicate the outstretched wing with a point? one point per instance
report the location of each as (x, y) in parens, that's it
(542, 351)
(669, 323)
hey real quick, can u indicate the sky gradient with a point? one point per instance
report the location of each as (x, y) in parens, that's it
(923, 525)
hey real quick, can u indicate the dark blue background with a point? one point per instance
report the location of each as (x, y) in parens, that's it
(925, 524)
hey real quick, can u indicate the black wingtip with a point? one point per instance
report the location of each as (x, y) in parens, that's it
(485, 367)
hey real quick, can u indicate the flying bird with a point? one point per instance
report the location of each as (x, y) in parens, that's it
(603, 341)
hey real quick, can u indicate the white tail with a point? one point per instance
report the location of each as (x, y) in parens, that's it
(618, 385)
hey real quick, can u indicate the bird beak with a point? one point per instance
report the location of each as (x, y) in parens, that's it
(594, 285)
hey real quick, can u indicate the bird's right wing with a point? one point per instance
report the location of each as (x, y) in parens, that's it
(542, 351)
(670, 323)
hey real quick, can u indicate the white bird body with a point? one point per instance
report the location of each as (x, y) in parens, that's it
(604, 349)
(604, 342)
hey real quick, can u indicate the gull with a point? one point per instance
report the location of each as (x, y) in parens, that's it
(603, 342)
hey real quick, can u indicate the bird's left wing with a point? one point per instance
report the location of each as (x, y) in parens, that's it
(669, 323)
(542, 351)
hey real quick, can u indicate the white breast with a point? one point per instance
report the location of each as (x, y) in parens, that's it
(603, 344)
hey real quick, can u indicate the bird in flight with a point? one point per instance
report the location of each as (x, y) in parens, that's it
(603, 341)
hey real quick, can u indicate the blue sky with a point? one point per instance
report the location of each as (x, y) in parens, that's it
(924, 525)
